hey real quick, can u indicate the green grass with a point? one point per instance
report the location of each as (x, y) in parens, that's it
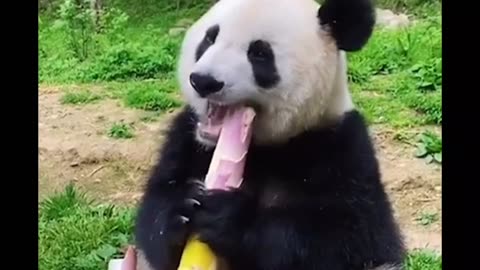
(424, 260)
(381, 108)
(79, 97)
(397, 78)
(121, 131)
(77, 233)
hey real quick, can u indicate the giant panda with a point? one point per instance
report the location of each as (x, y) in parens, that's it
(312, 196)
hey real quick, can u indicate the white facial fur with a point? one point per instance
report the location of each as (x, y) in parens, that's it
(313, 84)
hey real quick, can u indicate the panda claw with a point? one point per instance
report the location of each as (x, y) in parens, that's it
(184, 219)
(198, 184)
(192, 202)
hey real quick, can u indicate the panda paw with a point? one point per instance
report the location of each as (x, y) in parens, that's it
(180, 217)
(221, 219)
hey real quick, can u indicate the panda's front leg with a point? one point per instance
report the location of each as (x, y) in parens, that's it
(222, 219)
(170, 198)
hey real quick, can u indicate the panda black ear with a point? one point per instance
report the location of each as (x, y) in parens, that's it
(350, 22)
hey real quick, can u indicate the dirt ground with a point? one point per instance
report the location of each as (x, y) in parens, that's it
(74, 146)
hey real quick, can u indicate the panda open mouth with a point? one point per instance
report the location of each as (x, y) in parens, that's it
(211, 124)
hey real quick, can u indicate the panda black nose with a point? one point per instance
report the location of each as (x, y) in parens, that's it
(205, 84)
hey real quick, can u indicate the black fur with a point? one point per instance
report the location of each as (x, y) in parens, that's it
(207, 41)
(351, 22)
(316, 202)
(262, 58)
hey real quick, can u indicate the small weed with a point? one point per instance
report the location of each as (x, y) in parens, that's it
(79, 97)
(428, 76)
(121, 131)
(426, 219)
(403, 136)
(423, 260)
(150, 117)
(430, 147)
(62, 204)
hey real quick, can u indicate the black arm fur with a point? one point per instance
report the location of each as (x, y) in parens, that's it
(164, 216)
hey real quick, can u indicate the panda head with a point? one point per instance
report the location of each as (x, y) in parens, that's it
(284, 58)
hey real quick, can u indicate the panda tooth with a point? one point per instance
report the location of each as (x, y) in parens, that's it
(210, 110)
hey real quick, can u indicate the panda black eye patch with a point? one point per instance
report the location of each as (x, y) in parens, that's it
(262, 58)
(207, 41)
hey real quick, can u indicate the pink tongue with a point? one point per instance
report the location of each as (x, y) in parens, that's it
(228, 161)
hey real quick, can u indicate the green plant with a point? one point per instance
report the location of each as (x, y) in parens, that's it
(430, 147)
(428, 75)
(113, 23)
(403, 136)
(42, 29)
(426, 219)
(423, 260)
(85, 28)
(75, 19)
(357, 73)
(429, 104)
(150, 117)
(62, 204)
(134, 61)
(121, 131)
(79, 97)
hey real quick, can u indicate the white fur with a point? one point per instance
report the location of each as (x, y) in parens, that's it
(313, 84)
